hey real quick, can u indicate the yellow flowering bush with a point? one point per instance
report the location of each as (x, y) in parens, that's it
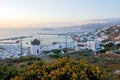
(62, 69)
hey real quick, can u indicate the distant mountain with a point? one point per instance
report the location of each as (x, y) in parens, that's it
(96, 24)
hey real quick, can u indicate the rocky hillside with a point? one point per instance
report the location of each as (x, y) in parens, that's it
(112, 32)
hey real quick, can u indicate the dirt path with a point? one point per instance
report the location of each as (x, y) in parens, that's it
(48, 59)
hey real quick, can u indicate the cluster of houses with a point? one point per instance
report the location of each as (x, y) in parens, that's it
(12, 51)
(85, 41)
(80, 41)
(112, 34)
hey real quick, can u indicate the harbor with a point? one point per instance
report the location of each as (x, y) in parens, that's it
(22, 46)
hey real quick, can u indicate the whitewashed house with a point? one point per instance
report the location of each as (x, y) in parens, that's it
(91, 45)
(81, 46)
(35, 47)
(94, 45)
(61, 45)
(117, 40)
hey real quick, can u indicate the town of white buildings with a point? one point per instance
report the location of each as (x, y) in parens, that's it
(85, 41)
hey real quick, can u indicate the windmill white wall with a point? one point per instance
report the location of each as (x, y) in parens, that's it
(35, 49)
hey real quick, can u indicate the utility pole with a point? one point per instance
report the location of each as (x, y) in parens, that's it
(66, 44)
(21, 45)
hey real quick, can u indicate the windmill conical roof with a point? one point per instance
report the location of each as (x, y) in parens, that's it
(35, 42)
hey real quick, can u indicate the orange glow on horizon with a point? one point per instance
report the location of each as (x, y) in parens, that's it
(37, 23)
(31, 23)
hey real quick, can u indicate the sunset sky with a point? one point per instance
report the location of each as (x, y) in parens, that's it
(40, 13)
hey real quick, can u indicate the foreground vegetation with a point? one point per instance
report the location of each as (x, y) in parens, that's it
(62, 69)
(66, 67)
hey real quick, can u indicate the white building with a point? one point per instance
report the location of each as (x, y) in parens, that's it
(117, 40)
(70, 45)
(81, 46)
(35, 47)
(94, 45)
(91, 45)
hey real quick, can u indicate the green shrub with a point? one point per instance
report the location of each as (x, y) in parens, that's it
(54, 55)
(118, 52)
(7, 72)
(56, 51)
(23, 59)
(103, 51)
(109, 45)
(95, 60)
(29, 62)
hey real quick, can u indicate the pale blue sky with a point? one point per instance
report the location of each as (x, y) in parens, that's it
(46, 12)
